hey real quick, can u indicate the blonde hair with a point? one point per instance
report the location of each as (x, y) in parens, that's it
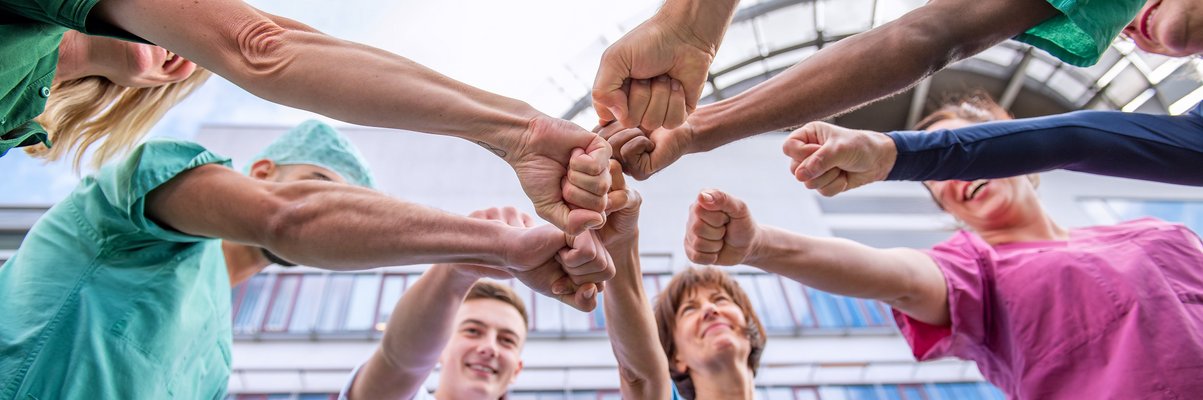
(84, 111)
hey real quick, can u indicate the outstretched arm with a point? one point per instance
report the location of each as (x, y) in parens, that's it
(850, 73)
(721, 231)
(642, 368)
(1158, 148)
(418, 329)
(289, 63)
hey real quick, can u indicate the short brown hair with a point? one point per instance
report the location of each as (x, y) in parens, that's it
(490, 290)
(975, 106)
(665, 309)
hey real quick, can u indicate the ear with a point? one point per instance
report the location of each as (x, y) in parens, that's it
(679, 365)
(263, 169)
(517, 371)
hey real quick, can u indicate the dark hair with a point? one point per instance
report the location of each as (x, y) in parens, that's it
(489, 290)
(665, 309)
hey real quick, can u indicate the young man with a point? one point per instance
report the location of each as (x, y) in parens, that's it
(122, 289)
(475, 329)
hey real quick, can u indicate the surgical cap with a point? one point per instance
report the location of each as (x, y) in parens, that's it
(316, 143)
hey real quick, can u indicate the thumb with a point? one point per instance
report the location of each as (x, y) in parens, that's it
(821, 161)
(609, 100)
(717, 200)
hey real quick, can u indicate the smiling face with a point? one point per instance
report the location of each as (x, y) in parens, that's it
(711, 330)
(1168, 27)
(482, 359)
(986, 204)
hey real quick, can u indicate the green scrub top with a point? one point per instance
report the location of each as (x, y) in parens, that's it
(1083, 30)
(101, 302)
(31, 32)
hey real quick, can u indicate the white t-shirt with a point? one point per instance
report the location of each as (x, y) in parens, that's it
(342, 395)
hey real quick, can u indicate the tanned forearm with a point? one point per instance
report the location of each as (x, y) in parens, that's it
(906, 279)
(288, 63)
(632, 328)
(703, 20)
(418, 329)
(865, 67)
(325, 224)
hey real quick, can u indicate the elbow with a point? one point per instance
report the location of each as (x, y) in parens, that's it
(284, 220)
(262, 49)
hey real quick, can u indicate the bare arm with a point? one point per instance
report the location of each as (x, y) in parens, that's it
(630, 324)
(850, 73)
(838, 78)
(338, 226)
(721, 231)
(906, 279)
(418, 330)
(289, 63)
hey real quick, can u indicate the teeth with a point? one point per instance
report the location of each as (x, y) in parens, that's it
(974, 188)
(482, 369)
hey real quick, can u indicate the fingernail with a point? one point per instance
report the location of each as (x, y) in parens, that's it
(590, 292)
(676, 85)
(709, 198)
(559, 288)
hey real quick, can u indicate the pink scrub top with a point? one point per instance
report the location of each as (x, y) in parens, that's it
(1115, 312)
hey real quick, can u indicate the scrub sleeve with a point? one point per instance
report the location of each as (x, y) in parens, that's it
(1083, 29)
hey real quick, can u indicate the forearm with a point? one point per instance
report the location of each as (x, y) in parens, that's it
(632, 329)
(286, 62)
(703, 20)
(849, 73)
(339, 227)
(1149, 147)
(835, 265)
(418, 329)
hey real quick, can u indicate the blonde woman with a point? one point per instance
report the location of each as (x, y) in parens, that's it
(287, 62)
(106, 93)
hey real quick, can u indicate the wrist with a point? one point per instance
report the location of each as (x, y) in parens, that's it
(507, 134)
(701, 23)
(887, 152)
(453, 277)
(761, 248)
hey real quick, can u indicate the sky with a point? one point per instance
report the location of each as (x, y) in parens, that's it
(511, 48)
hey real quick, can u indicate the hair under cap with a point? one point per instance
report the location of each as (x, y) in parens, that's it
(315, 143)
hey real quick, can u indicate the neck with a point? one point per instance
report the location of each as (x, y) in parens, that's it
(1037, 227)
(726, 382)
(242, 261)
(73, 59)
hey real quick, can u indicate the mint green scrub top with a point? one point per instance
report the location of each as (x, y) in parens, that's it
(101, 302)
(31, 31)
(1082, 31)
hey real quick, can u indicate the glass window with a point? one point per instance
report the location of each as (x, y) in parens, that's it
(598, 316)
(394, 285)
(335, 301)
(799, 302)
(776, 314)
(282, 300)
(251, 304)
(575, 320)
(365, 296)
(806, 393)
(827, 309)
(308, 303)
(862, 392)
(912, 392)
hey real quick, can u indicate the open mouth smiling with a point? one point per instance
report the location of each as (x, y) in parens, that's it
(974, 188)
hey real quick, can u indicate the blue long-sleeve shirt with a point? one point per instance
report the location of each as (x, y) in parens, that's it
(1141, 146)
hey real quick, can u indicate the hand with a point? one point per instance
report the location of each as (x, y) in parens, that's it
(562, 168)
(538, 258)
(506, 215)
(833, 159)
(643, 154)
(622, 220)
(653, 76)
(720, 230)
